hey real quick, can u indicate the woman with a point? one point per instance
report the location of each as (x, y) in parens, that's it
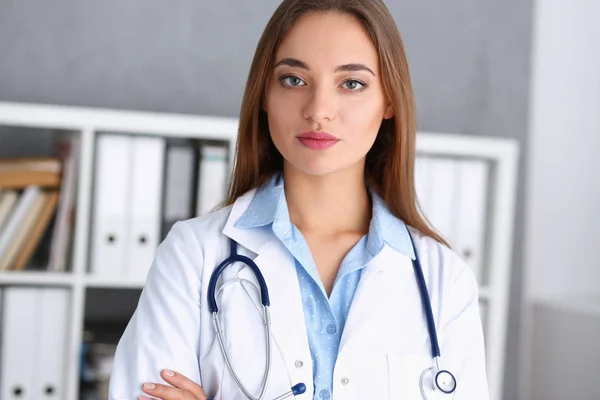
(323, 200)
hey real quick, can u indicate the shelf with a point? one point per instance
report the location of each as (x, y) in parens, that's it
(36, 278)
(112, 283)
(150, 123)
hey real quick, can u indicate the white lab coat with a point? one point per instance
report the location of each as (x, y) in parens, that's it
(384, 346)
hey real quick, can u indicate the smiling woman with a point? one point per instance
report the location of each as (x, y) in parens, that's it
(318, 277)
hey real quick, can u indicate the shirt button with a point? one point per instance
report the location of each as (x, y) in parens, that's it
(324, 394)
(331, 328)
(299, 364)
(345, 381)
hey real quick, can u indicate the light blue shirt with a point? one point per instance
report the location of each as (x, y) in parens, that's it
(325, 317)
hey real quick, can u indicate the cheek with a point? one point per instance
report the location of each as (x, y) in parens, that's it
(280, 112)
(362, 122)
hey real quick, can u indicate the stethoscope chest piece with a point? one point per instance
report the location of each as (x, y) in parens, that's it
(436, 385)
(445, 381)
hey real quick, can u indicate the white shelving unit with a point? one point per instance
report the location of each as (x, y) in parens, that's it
(88, 123)
(501, 154)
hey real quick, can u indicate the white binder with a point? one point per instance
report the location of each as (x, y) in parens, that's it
(442, 210)
(19, 338)
(145, 205)
(423, 183)
(212, 187)
(110, 217)
(471, 199)
(54, 311)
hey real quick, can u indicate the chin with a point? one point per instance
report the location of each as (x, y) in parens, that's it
(318, 168)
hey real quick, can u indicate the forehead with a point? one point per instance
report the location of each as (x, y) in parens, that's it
(328, 39)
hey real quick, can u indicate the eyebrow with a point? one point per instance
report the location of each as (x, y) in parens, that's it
(292, 62)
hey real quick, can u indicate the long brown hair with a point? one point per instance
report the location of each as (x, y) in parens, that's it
(390, 162)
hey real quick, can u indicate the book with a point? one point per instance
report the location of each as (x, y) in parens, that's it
(7, 202)
(17, 217)
(35, 235)
(22, 231)
(18, 173)
(64, 221)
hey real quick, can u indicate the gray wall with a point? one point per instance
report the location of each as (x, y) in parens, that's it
(565, 363)
(469, 61)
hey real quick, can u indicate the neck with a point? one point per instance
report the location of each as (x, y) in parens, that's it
(330, 204)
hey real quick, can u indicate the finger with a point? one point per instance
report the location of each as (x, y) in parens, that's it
(182, 382)
(165, 392)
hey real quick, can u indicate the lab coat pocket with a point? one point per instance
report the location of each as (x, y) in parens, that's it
(405, 371)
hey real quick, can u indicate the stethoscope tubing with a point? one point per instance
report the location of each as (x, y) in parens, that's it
(221, 339)
(433, 339)
(265, 300)
(235, 257)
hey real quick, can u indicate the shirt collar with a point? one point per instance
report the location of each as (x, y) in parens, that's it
(266, 204)
(385, 227)
(270, 207)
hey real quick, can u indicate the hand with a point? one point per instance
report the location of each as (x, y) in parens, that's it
(182, 388)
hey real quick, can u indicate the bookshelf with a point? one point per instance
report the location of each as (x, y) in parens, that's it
(499, 155)
(48, 120)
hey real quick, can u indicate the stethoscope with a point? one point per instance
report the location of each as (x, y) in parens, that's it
(443, 380)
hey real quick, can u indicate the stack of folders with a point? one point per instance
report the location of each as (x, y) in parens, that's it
(453, 194)
(33, 342)
(142, 185)
(34, 193)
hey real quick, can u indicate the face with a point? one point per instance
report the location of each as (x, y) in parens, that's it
(324, 99)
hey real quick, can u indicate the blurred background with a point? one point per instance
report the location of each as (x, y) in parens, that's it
(525, 72)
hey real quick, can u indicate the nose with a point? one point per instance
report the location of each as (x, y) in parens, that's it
(320, 105)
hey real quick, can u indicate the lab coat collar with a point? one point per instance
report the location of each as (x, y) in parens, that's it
(255, 239)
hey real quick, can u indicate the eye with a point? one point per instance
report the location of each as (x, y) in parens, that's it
(291, 81)
(354, 85)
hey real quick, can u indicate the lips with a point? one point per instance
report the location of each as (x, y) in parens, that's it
(317, 140)
(317, 136)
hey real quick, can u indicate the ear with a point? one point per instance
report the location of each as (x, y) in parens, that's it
(388, 113)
